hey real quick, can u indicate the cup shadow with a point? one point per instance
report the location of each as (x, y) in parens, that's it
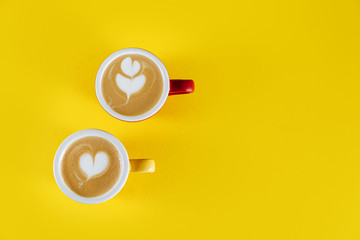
(150, 146)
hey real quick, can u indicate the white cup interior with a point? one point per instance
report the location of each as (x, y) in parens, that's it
(102, 69)
(124, 165)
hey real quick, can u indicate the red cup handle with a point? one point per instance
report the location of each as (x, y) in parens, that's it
(180, 86)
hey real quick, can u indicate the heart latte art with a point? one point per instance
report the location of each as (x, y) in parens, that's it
(94, 166)
(90, 166)
(132, 84)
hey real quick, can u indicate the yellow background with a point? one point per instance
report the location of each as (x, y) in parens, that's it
(268, 146)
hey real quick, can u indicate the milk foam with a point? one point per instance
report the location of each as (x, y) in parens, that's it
(92, 167)
(133, 84)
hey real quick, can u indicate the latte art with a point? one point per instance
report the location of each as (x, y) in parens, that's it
(132, 84)
(90, 166)
(94, 166)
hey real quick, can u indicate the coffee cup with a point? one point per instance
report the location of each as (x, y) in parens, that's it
(91, 166)
(132, 84)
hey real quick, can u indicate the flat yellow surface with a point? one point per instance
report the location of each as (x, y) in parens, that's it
(268, 147)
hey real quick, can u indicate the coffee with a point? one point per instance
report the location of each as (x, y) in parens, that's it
(132, 84)
(90, 166)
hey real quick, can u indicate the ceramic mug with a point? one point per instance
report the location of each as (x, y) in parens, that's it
(126, 165)
(170, 87)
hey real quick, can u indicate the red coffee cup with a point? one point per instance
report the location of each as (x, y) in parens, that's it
(170, 87)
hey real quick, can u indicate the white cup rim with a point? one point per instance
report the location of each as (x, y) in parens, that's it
(156, 108)
(125, 166)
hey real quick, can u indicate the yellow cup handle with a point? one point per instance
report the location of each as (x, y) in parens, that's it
(142, 165)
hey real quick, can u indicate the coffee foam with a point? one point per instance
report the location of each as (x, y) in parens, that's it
(91, 166)
(132, 84)
(94, 166)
